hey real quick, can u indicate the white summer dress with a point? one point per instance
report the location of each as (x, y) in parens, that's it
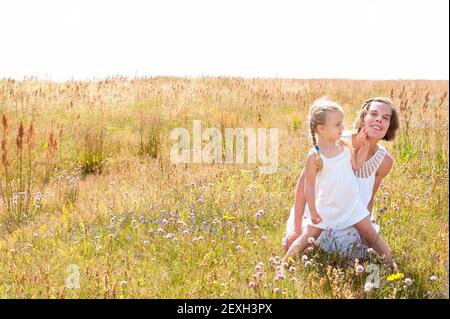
(347, 241)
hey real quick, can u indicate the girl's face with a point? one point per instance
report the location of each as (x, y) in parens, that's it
(333, 127)
(377, 120)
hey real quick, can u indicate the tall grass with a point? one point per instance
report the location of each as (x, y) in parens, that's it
(104, 196)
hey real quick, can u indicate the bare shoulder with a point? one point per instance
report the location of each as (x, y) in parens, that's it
(311, 161)
(311, 156)
(385, 165)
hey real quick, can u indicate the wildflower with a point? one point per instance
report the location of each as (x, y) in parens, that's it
(35, 235)
(304, 258)
(263, 237)
(368, 286)
(123, 283)
(308, 263)
(252, 284)
(159, 230)
(359, 269)
(311, 240)
(238, 247)
(145, 242)
(248, 232)
(290, 259)
(309, 249)
(433, 278)
(408, 281)
(185, 232)
(292, 269)
(370, 251)
(396, 276)
(276, 290)
(254, 242)
(258, 268)
(279, 276)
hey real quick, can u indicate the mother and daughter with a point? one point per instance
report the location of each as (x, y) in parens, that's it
(334, 196)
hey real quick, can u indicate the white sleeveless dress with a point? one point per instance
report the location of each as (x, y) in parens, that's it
(347, 241)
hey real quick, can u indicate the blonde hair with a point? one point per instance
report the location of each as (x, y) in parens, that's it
(318, 116)
(394, 122)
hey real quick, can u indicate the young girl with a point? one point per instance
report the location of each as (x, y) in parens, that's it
(331, 189)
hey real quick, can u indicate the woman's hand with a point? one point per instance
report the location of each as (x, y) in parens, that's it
(361, 139)
(290, 239)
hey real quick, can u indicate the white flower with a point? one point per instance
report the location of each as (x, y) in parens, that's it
(368, 286)
(433, 278)
(359, 269)
(408, 281)
(311, 240)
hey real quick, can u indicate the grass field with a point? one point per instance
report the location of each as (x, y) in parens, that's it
(87, 186)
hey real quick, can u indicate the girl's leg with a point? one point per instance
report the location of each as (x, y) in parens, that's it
(373, 240)
(301, 243)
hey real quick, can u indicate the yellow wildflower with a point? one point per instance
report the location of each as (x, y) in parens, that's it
(396, 276)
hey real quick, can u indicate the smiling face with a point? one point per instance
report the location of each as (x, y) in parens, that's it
(378, 119)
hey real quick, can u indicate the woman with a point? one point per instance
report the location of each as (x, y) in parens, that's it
(381, 118)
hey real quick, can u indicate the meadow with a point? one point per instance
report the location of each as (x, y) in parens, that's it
(87, 187)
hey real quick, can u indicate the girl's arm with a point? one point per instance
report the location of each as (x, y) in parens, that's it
(310, 183)
(382, 171)
(299, 206)
(299, 203)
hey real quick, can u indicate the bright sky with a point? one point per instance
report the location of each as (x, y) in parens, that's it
(86, 39)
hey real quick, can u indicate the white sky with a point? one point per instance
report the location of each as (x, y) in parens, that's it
(365, 39)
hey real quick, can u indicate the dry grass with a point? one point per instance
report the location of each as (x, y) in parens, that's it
(97, 190)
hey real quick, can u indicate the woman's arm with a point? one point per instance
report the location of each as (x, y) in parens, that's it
(382, 171)
(360, 149)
